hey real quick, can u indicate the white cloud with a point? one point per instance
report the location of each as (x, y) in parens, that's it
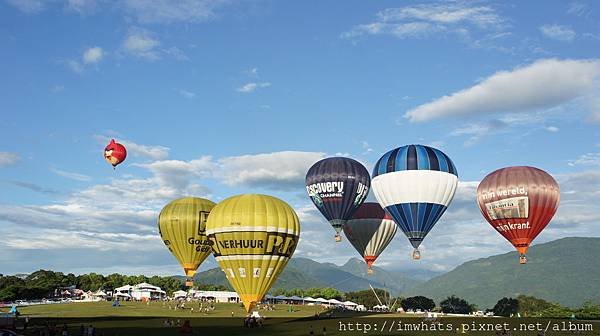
(594, 108)
(34, 187)
(165, 11)
(483, 16)
(558, 32)
(82, 6)
(366, 148)
(75, 66)
(57, 88)
(141, 43)
(588, 159)
(278, 170)
(252, 72)
(93, 55)
(135, 149)
(186, 93)
(251, 87)
(419, 21)
(543, 84)
(8, 159)
(552, 129)
(578, 9)
(28, 6)
(176, 53)
(71, 175)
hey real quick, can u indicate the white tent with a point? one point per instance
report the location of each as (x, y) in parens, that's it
(296, 298)
(180, 294)
(125, 295)
(308, 298)
(321, 300)
(99, 295)
(334, 302)
(349, 304)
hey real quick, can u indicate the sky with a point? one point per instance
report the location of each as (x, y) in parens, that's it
(218, 98)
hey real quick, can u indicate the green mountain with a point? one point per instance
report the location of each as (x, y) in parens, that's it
(306, 273)
(395, 282)
(566, 271)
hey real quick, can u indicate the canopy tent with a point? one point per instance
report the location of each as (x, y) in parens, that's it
(180, 293)
(335, 302)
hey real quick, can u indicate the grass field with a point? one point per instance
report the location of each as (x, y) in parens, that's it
(136, 318)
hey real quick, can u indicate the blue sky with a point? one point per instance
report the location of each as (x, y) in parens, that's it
(216, 98)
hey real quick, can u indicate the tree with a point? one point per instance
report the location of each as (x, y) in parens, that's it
(418, 303)
(506, 307)
(531, 306)
(367, 298)
(557, 311)
(455, 305)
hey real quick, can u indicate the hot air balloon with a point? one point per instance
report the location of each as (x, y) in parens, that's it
(253, 237)
(415, 184)
(115, 153)
(518, 202)
(182, 227)
(337, 186)
(370, 231)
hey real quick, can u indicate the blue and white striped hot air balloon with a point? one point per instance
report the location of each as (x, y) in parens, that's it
(414, 184)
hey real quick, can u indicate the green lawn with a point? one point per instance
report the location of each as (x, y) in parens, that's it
(141, 319)
(157, 309)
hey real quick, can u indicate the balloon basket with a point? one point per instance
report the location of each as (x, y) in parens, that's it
(338, 238)
(369, 271)
(189, 283)
(416, 255)
(522, 259)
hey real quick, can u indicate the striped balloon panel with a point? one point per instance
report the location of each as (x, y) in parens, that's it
(370, 236)
(416, 219)
(414, 157)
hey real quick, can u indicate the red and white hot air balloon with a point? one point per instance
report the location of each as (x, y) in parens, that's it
(518, 202)
(370, 230)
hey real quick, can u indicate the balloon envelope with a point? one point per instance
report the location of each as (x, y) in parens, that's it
(114, 153)
(518, 202)
(415, 184)
(182, 227)
(253, 237)
(337, 186)
(370, 230)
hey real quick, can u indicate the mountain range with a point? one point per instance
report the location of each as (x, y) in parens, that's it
(565, 271)
(306, 273)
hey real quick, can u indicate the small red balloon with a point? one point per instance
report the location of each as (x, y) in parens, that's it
(115, 153)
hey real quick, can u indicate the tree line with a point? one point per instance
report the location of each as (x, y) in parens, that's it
(43, 284)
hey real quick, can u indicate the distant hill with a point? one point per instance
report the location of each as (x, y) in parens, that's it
(307, 273)
(566, 271)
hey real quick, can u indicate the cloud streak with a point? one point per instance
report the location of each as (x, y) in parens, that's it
(558, 32)
(545, 83)
(419, 21)
(8, 159)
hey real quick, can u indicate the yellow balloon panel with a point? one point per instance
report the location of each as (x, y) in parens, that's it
(182, 226)
(252, 237)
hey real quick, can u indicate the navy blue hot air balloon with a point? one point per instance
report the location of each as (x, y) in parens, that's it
(415, 184)
(337, 186)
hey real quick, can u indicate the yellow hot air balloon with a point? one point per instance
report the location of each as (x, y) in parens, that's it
(182, 227)
(253, 237)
